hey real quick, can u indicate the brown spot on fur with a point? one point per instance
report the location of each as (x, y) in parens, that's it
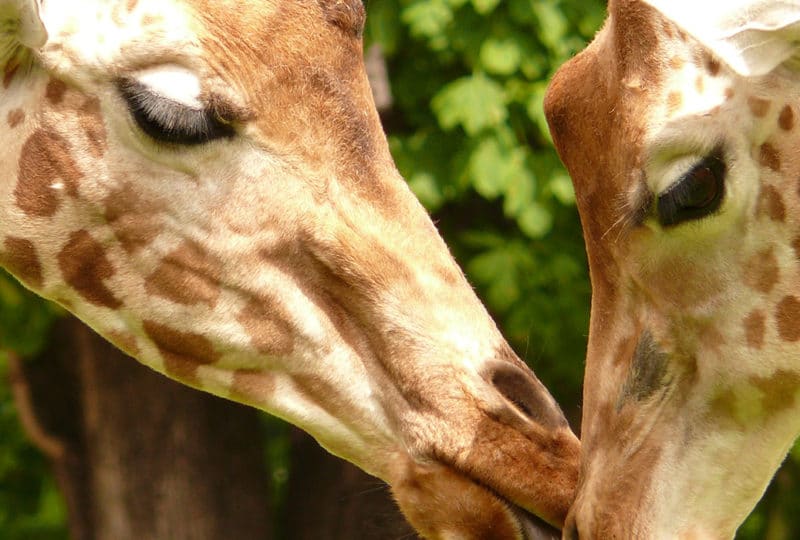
(20, 258)
(786, 118)
(770, 203)
(124, 341)
(85, 268)
(131, 5)
(787, 317)
(54, 93)
(796, 247)
(758, 106)
(761, 271)
(182, 351)
(267, 322)
(768, 156)
(676, 62)
(135, 220)
(91, 122)
(186, 276)
(15, 117)
(754, 327)
(253, 387)
(45, 161)
(723, 407)
(698, 84)
(729, 93)
(674, 102)
(712, 66)
(778, 390)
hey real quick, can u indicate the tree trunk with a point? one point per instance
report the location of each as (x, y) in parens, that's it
(330, 499)
(138, 456)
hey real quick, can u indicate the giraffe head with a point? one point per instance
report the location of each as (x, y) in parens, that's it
(208, 186)
(680, 131)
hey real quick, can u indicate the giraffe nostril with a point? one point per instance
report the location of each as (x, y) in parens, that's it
(523, 390)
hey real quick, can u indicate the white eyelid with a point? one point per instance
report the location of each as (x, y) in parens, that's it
(172, 82)
(663, 175)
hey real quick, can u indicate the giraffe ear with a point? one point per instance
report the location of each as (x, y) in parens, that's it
(23, 19)
(752, 36)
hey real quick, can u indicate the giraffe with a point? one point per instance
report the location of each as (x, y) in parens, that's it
(208, 186)
(678, 126)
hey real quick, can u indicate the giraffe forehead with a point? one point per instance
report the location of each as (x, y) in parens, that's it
(108, 38)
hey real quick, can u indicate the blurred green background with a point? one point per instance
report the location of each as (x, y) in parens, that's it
(467, 130)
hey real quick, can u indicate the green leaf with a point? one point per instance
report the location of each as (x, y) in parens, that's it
(475, 102)
(382, 25)
(424, 186)
(535, 108)
(520, 189)
(501, 56)
(497, 269)
(427, 18)
(535, 220)
(488, 168)
(552, 24)
(561, 187)
(485, 6)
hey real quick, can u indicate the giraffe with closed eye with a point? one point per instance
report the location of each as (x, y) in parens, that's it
(208, 186)
(678, 126)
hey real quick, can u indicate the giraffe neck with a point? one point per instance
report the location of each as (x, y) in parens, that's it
(691, 217)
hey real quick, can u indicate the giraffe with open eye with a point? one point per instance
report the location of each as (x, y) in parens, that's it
(679, 127)
(208, 186)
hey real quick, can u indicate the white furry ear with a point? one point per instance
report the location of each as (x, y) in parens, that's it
(21, 18)
(752, 36)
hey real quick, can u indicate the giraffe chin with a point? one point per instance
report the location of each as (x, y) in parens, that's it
(441, 502)
(534, 527)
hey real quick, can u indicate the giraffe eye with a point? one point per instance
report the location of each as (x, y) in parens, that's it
(168, 121)
(697, 194)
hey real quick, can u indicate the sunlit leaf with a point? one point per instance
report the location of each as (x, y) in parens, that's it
(475, 102)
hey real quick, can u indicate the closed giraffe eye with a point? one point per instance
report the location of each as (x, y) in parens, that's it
(169, 121)
(697, 194)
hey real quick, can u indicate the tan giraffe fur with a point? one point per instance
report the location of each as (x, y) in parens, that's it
(692, 374)
(287, 265)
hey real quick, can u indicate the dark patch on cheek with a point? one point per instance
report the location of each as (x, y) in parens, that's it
(779, 390)
(647, 372)
(54, 93)
(44, 161)
(85, 267)
(183, 352)
(15, 117)
(19, 256)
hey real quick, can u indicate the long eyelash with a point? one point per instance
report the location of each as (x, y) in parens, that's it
(671, 203)
(168, 121)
